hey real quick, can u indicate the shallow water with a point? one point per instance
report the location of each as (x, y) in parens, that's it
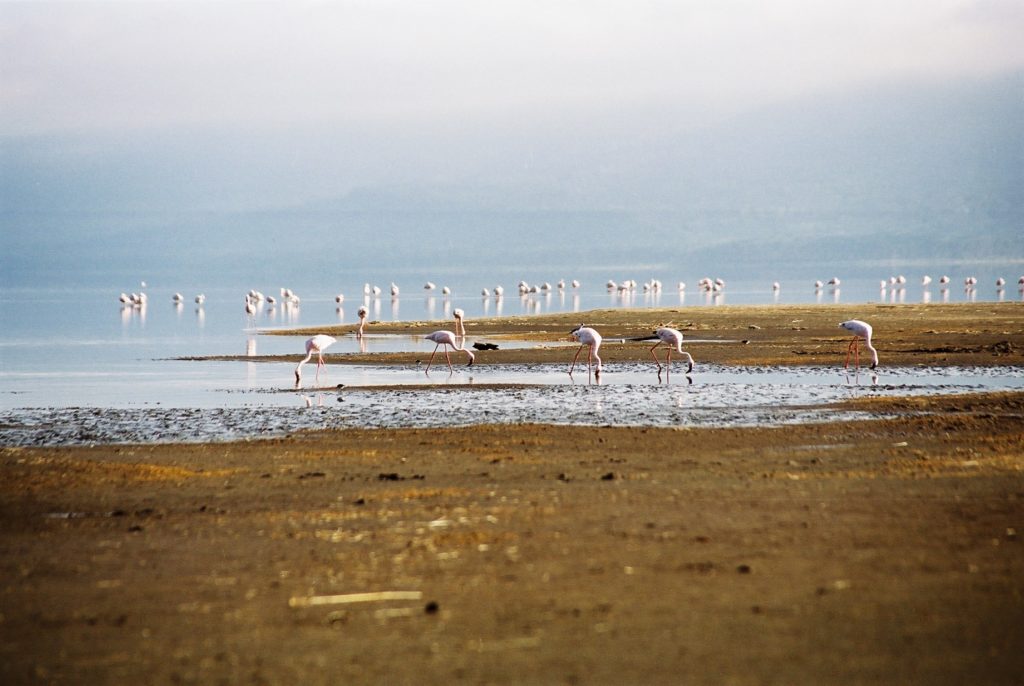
(77, 367)
(629, 394)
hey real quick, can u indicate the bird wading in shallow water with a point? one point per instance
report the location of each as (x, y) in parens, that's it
(673, 338)
(317, 344)
(446, 338)
(860, 330)
(362, 312)
(587, 337)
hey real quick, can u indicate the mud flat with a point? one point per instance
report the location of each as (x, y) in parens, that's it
(864, 552)
(932, 334)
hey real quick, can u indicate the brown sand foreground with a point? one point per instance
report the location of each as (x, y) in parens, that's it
(886, 551)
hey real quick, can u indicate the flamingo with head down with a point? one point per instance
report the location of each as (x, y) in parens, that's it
(317, 344)
(587, 337)
(860, 330)
(673, 338)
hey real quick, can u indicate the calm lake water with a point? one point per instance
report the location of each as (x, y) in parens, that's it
(68, 355)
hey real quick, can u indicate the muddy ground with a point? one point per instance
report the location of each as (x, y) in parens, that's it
(882, 551)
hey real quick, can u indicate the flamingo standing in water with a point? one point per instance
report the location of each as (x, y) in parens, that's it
(317, 344)
(362, 312)
(586, 336)
(460, 327)
(446, 338)
(673, 338)
(860, 330)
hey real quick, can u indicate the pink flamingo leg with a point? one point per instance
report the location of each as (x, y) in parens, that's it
(448, 357)
(573, 366)
(656, 360)
(432, 357)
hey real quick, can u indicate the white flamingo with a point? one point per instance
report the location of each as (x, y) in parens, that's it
(446, 338)
(362, 312)
(673, 338)
(460, 327)
(587, 337)
(860, 330)
(317, 344)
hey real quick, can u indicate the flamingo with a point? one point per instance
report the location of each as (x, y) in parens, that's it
(859, 330)
(446, 338)
(317, 344)
(362, 312)
(460, 327)
(586, 336)
(673, 338)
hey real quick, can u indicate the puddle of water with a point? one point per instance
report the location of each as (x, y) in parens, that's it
(627, 395)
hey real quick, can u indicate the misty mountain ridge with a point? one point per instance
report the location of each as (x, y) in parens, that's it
(897, 172)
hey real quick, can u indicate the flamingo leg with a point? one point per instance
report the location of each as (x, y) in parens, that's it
(849, 348)
(432, 357)
(573, 366)
(656, 360)
(448, 357)
(856, 354)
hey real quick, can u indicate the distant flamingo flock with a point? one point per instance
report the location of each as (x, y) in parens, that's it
(587, 337)
(255, 300)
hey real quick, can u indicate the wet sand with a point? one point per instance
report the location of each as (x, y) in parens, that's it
(880, 551)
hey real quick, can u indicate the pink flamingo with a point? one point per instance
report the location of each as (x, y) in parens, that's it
(317, 344)
(587, 337)
(673, 338)
(446, 338)
(859, 330)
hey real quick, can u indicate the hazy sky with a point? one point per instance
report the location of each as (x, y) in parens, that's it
(93, 67)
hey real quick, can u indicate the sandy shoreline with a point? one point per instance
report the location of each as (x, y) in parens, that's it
(880, 551)
(933, 334)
